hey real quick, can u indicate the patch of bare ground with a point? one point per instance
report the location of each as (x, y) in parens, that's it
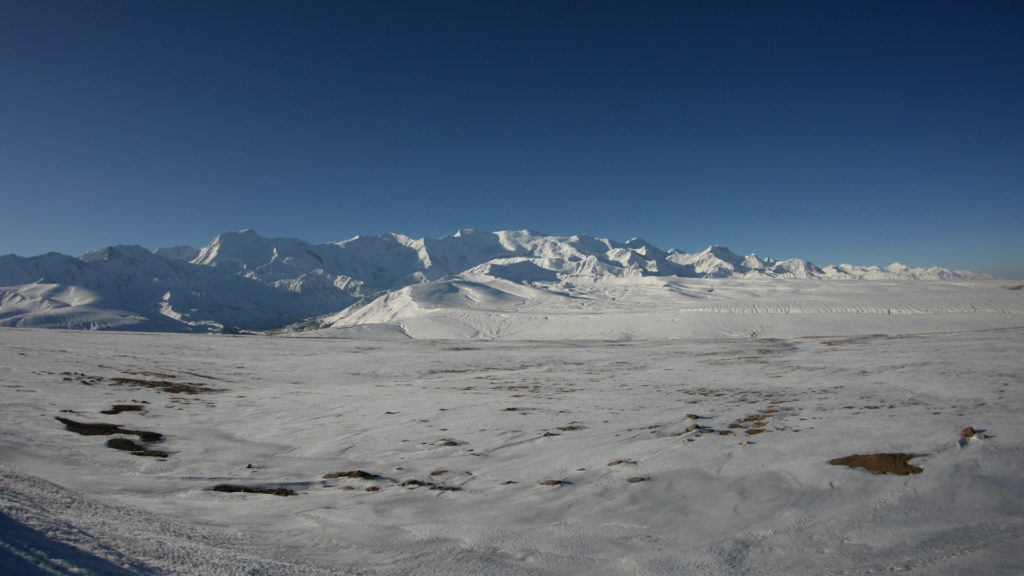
(897, 463)
(432, 486)
(758, 423)
(360, 474)
(445, 488)
(162, 385)
(153, 374)
(118, 408)
(136, 449)
(165, 385)
(852, 340)
(254, 490)
(364, 475)
(103, 429)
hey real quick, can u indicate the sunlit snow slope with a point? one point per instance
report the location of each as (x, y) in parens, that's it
(513, 284)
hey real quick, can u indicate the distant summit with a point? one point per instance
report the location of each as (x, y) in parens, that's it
(183, 253)
(243, 281)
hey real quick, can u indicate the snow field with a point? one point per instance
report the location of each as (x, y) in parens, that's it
(730, 436)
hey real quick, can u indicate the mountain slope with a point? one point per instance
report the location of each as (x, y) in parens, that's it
(243, 281)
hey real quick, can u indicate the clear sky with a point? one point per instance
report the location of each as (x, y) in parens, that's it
(853, 132)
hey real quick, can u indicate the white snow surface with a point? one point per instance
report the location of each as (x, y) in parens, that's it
(242, 282)
(594, 384)
(477, 306)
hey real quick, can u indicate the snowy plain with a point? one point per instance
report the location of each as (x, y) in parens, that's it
(656, 426)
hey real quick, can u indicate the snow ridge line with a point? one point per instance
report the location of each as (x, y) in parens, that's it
(242, 282)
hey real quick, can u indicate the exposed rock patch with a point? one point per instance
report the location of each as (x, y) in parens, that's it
(136, 449)
(165, 385)
(103, 429)
(118, 408)
(360, 474)
(881, 463)
(254, 490)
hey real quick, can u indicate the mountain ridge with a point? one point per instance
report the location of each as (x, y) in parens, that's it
(242, 281)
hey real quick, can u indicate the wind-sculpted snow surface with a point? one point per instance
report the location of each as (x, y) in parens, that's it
(244, 282)
(368, 453)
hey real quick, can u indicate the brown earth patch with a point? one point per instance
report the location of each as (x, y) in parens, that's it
(445, 488)
(361, 474)
(254, 490)
(430, 485)
(165, 385)
(617, 462)
(136, 449)
(118, 408)
(103, 429)
(881, 463)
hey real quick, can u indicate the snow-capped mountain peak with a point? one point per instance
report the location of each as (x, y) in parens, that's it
(242, 280)
(180, 253)
(122, 253)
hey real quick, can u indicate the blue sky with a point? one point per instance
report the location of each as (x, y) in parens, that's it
(840, 132)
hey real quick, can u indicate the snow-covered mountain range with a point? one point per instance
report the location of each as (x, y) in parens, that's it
(242, 281)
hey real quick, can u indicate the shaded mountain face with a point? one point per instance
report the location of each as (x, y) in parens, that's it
(243, 281)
